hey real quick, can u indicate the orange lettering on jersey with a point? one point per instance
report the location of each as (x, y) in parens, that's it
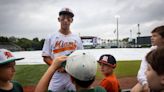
(61, 46)
(57, 45)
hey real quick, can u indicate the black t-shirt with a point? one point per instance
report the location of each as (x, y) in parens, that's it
(16, 88)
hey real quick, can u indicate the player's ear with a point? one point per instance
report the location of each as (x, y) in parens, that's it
(59, 19)
(71, 20)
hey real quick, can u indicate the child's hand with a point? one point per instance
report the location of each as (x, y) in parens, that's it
(44, 82)
(57, 62)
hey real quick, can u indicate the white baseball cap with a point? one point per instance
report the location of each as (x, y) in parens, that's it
(6, 56)
(66, 11)
(81, 65)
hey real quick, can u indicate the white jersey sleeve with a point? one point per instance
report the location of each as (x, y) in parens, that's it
(143, 67)
(46, 51)
(80, 45)
(141, 73)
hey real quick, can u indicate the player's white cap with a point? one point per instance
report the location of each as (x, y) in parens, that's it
(66, 11)
(81, 65)
(6, 56)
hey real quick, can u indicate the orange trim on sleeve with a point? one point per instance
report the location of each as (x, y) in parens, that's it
(64, 49)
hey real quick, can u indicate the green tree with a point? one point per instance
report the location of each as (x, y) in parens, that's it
(35, 44)
(13, 39)
(4, 39)
(25, 43)
(125, 39)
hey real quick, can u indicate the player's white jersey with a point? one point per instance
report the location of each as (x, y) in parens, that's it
(56, 45)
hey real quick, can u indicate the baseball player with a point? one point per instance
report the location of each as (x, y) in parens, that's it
(63, 42)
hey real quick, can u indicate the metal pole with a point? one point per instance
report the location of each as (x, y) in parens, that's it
(131, 34)
(138, 30)
(138, 33)
(117, 33)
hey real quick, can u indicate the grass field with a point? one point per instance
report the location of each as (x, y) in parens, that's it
(30, 74)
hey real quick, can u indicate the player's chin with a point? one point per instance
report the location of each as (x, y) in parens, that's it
(65, 27)
(153, 44)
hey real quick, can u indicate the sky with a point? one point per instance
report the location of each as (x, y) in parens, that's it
(38, 18)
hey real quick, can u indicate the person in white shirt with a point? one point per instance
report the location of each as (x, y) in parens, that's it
(157, 40)
(61, 43)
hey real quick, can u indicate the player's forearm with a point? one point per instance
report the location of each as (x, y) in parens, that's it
(48, 60)
(44, 82)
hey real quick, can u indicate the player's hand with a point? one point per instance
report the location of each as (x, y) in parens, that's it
(146, 88)
(57, 62)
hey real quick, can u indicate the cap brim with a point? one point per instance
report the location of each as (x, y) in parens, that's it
(101, 61)
(18, 59)
(66, 13)
(11, 60)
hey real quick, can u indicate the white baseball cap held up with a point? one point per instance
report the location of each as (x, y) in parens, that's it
(6, 57)
(81, 65)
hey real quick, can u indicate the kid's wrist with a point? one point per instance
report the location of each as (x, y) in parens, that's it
(53, 67)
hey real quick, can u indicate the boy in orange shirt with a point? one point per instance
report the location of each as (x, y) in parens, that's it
(107, 65)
